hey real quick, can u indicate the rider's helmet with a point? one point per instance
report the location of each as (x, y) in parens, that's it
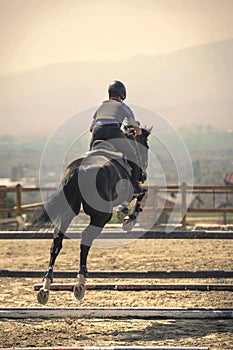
(117, 89)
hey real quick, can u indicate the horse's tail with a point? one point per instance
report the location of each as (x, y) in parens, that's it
(61, 206)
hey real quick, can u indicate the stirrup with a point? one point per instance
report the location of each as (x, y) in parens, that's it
(139, 191)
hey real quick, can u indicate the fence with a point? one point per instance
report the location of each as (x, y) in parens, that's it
(182, 194)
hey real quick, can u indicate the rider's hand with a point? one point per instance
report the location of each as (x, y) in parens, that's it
(138, 130)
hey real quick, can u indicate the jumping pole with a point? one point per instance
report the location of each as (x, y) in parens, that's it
(116, 313)
(140, 234)
(114, 348)
(122, 274)
(141, 287)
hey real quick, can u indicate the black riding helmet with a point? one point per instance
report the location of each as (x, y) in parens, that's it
(117, 89)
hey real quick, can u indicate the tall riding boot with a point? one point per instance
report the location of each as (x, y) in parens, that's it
(136, 171)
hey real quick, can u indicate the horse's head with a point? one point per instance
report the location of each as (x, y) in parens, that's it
(143, 137)
(142, 148)
(129, 131)
(141, 141)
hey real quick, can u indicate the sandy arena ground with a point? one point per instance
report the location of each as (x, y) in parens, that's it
(138, 255)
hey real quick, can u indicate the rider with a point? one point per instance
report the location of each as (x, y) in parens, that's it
(106, 125)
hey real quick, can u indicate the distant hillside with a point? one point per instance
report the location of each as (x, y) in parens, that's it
(190, 86)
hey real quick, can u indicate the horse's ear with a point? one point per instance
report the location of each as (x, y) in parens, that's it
(148, 128)
(145, 127)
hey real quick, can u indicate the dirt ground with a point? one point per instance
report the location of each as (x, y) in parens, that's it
(138, 255)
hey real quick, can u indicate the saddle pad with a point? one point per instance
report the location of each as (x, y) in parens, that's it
(108, 155)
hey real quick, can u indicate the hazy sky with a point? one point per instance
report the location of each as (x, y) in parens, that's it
(38, 32)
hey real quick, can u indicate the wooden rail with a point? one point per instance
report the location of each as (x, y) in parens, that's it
(19, 207)
(184, 190)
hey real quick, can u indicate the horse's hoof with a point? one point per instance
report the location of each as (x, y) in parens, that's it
(79, 288)
(43, 296)
(121, 212)
(120, 215)
(129, 223)
(79, 291)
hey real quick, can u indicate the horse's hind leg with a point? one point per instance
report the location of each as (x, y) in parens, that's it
(88, 235)
(56, 246)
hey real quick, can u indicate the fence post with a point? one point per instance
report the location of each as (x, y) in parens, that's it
(18, 199)
(183, 204)
(224, 218)
(3, 194)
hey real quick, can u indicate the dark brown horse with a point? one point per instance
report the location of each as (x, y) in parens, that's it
(99, 181)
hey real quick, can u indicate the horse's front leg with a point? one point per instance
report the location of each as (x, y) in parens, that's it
(130, 220)
(43, 293)
(88, 235)
(122, 211)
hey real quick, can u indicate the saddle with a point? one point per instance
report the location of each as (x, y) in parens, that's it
(108, 151)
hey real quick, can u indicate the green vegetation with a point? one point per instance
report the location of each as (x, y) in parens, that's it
(210, 149)
(20, 157)
(211, 152)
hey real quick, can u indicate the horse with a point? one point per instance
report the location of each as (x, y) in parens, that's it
(98, 181)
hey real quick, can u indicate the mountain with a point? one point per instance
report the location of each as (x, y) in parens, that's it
(189, 86)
